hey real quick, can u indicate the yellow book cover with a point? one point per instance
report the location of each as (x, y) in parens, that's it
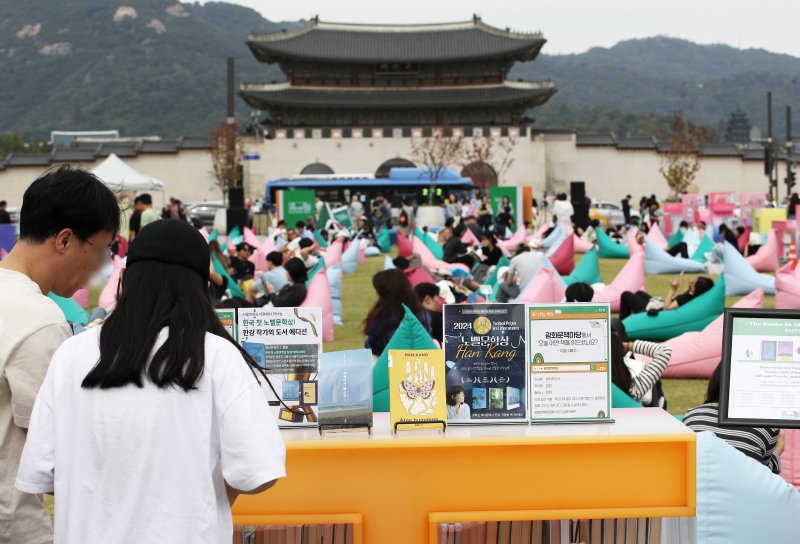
(417, 396)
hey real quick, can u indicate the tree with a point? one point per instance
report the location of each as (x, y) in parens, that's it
(12, 142)
(226, 156)
(681, 160)
(487, 150)
(443, 148)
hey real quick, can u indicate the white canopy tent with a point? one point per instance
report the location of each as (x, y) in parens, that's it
(119, 177)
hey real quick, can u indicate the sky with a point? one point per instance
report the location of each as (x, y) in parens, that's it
(573, 26)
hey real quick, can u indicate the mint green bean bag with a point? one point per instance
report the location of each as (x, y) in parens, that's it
(587, 270)
(73, 312)
(692, 316)
(609, 249)
(410, 334)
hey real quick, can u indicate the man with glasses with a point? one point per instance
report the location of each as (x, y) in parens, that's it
(68, 222)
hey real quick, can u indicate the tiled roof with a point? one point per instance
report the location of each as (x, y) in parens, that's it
(343, 42)
(283, 95)
(92, 151)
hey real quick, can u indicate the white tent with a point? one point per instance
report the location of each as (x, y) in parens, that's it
(120, 177)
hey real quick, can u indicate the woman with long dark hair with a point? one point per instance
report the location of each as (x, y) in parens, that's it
(149, 426)
(394, 290)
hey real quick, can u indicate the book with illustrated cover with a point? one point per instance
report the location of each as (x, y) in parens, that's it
(485, 363)
(416, 389)
(286, 343)
(345, 389)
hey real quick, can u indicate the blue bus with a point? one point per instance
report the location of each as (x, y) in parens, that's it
(402, 184)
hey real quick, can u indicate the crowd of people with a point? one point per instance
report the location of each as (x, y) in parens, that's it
(161, 401)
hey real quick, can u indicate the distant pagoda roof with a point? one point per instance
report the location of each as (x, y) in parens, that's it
(528, 94)
(323, 41)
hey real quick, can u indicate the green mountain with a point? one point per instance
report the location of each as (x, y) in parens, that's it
(158, 67)
(663, 75)
(140, 66)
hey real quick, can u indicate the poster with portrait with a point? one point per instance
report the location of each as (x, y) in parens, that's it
(485, 363)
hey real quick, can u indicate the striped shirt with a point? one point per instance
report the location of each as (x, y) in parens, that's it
(758, 443)
(643, 382)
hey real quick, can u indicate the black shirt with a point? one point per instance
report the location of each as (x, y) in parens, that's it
(242, 270)
(5, 217)
(436, 325)
(684, 298)
(453, 249)
(493, 257)
(290, 295)
(135, 222)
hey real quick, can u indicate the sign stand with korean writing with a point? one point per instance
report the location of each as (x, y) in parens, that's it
(570, 363)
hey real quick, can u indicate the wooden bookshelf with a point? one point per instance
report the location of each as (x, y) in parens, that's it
(399, 488)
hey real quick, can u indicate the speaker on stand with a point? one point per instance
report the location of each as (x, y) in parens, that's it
(580, 204)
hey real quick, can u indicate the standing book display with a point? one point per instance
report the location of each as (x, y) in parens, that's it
(286, 343)
(570, 363)
(485, 363)
(416, 389)
(345, 390)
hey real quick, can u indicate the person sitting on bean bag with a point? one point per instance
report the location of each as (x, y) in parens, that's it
(641, 301)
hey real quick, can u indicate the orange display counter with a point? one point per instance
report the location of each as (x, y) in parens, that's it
(398, 488)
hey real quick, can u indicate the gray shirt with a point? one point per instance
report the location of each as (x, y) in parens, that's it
(525, 266)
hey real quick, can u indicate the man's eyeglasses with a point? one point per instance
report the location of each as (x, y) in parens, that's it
(106, 254)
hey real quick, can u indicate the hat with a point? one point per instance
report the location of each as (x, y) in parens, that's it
(171, 242)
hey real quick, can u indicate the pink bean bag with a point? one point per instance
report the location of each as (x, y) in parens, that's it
(766, 258)
(470, 239)
(697, 354)
(429, 261)
(744, 239)
(362, 257)
(81, 296)
(418, 275)
(404, 246)
(517, 238)
(563, 258)
(787, 288)
(655, 235)
(122, 251)
(268, 246)
(539, 234)
(319, 294)
(545, 287)
(258, 258)
(581, 245)
(790, 458)
(108, 296)
(630, 278)
(205, 233)
(630, 240)
(333, 255)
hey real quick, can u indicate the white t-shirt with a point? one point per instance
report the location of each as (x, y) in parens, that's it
(148, 465)
(563, 211)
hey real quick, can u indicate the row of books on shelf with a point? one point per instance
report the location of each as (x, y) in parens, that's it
(339, 533)
(500, 363)
(587, 531)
